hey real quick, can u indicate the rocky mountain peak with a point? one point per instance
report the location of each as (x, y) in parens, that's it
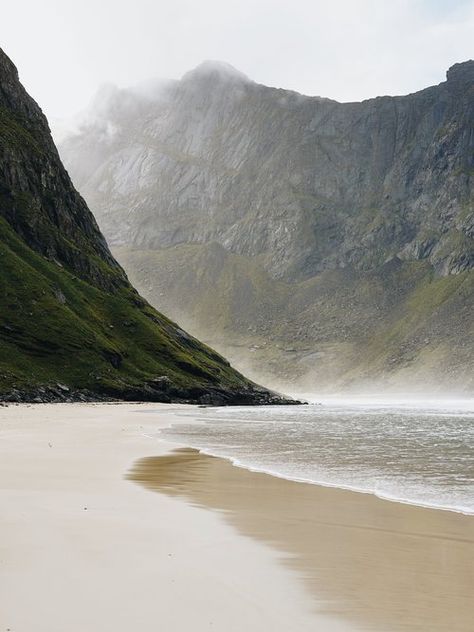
(70, 322)
(461, 75)
(12, 92)
(312, 224)
(216, 71)
(7, 66)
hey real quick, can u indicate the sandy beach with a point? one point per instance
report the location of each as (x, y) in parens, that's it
(104, 528)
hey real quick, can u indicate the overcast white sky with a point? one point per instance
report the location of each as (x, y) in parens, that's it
(343, 49)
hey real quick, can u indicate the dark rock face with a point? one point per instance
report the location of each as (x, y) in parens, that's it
(36, 196)
(461, 76)
(310, 183)
(71, 325)
(295, 188)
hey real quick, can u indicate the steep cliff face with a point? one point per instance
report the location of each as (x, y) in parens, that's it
(348, 223)
(71, 325)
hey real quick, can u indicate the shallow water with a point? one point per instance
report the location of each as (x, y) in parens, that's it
(419, 453)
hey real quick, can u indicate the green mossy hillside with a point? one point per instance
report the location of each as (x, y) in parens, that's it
(54, 327)
(400, 325)
(70, 322)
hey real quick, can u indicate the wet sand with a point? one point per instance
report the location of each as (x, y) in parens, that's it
(88, 545)
(83, 549)
(377, 565)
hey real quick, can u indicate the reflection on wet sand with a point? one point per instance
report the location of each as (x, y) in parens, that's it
(382, 565)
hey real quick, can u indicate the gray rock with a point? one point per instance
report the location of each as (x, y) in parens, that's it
(251, 213)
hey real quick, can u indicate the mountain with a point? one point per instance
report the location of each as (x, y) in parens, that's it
(320, 242)
(71, 325)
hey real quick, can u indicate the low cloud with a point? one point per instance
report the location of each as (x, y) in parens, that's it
(343, 49)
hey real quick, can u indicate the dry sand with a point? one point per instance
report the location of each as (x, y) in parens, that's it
(82, 549)
(85, 544)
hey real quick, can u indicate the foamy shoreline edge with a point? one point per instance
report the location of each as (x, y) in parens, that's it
(236, 463)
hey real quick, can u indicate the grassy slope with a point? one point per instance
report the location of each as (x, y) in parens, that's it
(336, 328)
(55, 327)
(68, 314)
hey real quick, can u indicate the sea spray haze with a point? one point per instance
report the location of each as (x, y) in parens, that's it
(71, 325)
(315, 242)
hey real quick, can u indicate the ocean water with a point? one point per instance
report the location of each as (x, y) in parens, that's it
(419, 452)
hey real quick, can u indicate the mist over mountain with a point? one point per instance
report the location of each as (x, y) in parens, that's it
(315, 242)
(71, 325)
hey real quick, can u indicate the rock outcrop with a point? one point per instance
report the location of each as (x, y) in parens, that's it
(333, 240)
(71, 325)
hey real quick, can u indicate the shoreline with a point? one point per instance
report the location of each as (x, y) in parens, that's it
(84, 547)
(376, 565)
(236, 463)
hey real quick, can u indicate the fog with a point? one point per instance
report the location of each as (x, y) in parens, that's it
(342, 49)
(433, 401)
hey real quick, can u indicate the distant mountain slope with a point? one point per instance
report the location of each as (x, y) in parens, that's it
(306, 237)
(71, 325)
